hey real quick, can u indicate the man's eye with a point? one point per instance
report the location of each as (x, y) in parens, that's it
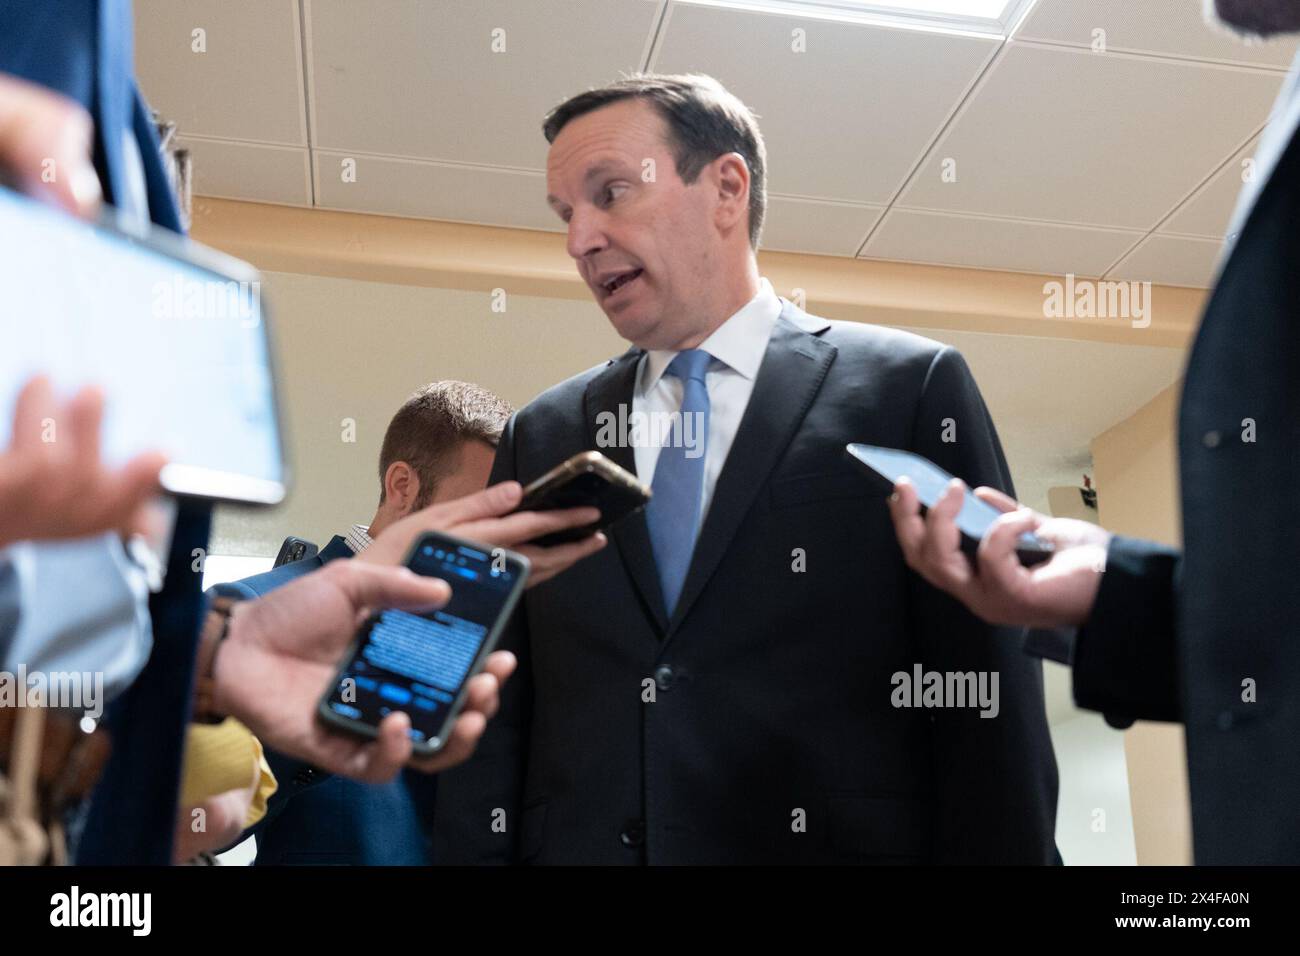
(611, 193)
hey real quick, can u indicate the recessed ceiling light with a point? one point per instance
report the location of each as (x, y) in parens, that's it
(965, 16)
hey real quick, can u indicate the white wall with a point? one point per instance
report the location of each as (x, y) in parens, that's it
(355, 350)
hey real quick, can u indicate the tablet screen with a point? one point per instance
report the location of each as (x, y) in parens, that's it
(173, 333)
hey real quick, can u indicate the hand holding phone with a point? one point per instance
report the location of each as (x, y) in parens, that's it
(421, 663)
(996, 585)
(588, 479)
(887, 465)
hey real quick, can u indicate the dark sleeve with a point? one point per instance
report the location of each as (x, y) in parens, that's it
(292, 776)
(995, 776)
(1125, 656)
(477, 811)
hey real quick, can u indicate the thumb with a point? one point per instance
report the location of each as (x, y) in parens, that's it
(488, 503)
(997, 499)
(375, 585)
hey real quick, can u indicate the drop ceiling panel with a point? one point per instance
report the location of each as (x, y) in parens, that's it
(1166, 27)
(1171, 260)
(824, 228)
(1075, 136)
(846, 119)
(1207, 212)
(248, 83)
(396, 187)
(981, 243)
(278, 174)
(419, 79)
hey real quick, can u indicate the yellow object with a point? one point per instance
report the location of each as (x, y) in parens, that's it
(220, 758)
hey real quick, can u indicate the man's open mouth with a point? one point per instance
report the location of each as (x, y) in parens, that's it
(615, 283)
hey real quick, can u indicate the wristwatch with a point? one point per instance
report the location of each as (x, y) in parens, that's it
(216, 626)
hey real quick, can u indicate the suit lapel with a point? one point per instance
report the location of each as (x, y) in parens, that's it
(608, 391)
(792, 372)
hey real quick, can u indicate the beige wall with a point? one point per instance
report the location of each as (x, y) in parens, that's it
(355, 350)
(1137, 482)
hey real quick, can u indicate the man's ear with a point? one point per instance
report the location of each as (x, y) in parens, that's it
(401, 487)
(731, 179)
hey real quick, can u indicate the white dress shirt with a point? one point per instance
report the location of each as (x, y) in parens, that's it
(1282, 125)
(737, 347)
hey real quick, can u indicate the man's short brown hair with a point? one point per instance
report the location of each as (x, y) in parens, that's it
(431, 426)
(704, 119)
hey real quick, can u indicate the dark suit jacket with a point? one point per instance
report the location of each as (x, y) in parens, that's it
(772, 686)
(82, 49)
(1177, 636)
(316, 818)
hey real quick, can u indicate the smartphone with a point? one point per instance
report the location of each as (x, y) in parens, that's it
(176, 334)
(975, 516)
(420, 663)
(587, 479)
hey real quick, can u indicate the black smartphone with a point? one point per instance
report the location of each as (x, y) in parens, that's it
(973, 520)
(588, 479)
(420, 663)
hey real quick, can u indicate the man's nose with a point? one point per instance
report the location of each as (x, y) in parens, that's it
(585, 235)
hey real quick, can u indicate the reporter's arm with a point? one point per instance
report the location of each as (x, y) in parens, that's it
(1125, 655)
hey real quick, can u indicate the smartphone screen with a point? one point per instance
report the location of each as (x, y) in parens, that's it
(975, 516)
(419, 663)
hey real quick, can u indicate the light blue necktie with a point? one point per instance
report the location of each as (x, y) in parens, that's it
(674, 510)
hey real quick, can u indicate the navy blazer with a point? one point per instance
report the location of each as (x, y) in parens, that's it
(1208, 636)
(770, 737)
(316, 818)
(83, 49)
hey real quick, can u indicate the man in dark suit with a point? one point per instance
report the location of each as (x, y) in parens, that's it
(1206, 636)
(439, 446)
(720, 686)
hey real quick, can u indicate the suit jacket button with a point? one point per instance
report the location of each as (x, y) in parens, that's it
(1211, 438)
(1225, 720)
(633, 834)
(664, 677)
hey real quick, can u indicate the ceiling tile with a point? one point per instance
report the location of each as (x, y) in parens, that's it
(846, 119)
(420, 80)
(247, 171)
(1168, 27)
(1207, 212)
(1171, 260)
(398, 187)
(1075, 136)
(981, 243)
(822, 228)
(247, 84)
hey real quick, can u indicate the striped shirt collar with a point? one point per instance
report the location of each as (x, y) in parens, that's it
(358, 538)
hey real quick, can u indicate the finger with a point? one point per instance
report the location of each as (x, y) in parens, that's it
(465, 735)
(996, 498)
(909, 526)
(501, 664)
(482, 694)
(85, 418)
(45, 138)
(488, 503)
(941, 547)
(35, 404)
(1003, 535)
(1000, 571)
(130, 490)
(548, 562)
(373, 585)
(527, 525)
(391, 750)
